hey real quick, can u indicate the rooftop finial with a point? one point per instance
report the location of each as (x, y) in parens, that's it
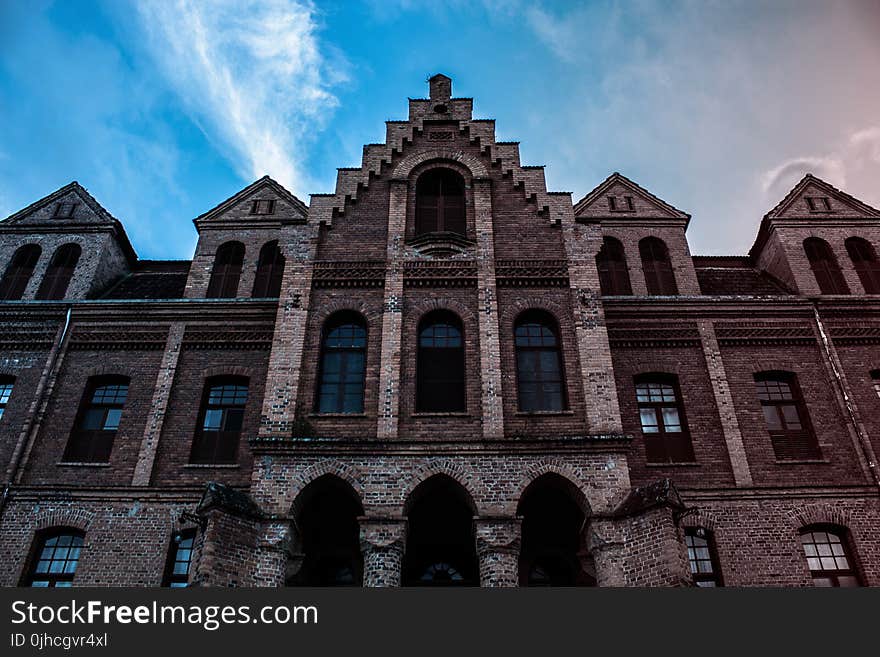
(441, 87)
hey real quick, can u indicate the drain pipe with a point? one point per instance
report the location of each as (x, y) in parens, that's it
(21, 448)
(847, 400)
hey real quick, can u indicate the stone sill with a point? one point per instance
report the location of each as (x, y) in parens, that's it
(81, 464)
(338, 415)
(803, 462)
(224, 466)
(420, 415)
(542, 413)
(674, 464)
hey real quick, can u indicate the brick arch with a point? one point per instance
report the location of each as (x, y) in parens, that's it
(467, 479)
(106, 370)
(228, 370)
(519, 305)
(545, 467)
(370, 313)
(423, 306)
(701, 518)
(406, 166)
(331, 467)
(819, 514)
(62, 517)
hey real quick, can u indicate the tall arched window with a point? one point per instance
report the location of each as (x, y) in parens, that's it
(864, 259)
(221, 419)
(179, 558)
(540, 382)
(661, 414)
(97, 422)
(59, 273)
(825, 267)
(18, 273)
(440, 202)
(613, 272)
(226, 271)
(343, 364)
(828, 557)
(55, 557)
(786, 416)
(659, 277)
(270, 269)
(440, 364)
(702, 557)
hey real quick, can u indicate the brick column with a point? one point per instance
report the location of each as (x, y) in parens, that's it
(498, 546)
(742, 475)
(582, 242)
(285, 363)
(490, 344)
(274, 559)
(383, 541)
(389, 367)
(143, 470)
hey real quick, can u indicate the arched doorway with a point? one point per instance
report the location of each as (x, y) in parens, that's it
(553, 550)
(327, 535)
(440, 547)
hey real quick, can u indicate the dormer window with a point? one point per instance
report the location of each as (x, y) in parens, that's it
(64, 210)
(621, 204)
(818, 203)
(263, 206)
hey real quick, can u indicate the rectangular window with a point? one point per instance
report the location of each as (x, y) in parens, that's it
(818, 203)
(65, 210)
(622, 204)
(263, 206)
(98, 420)
(786, 418)
(702, 557)
(179, 559)
(221, 421)
(661, 416)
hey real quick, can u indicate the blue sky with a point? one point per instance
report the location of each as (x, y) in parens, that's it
(163, 109)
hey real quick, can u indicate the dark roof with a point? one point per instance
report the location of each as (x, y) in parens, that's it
(151, 279)
(735, 276)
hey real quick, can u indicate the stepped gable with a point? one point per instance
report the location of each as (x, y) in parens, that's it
(439, 107)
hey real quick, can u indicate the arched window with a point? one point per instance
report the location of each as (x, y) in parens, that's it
(440, 364)
(55, 558)
(825, 267)
(220, 420)
(226, 271)
(786, 416)
(539, 376)
(18, 273)
(440, 202)
(270, 269)
(827, 553)
(703, 557)
(6, 384)
(613, 272)
(59, 273)
(661, 414)
(659, 276)
(179, 558)
(864, 259)
(100, 412)
(343, 364)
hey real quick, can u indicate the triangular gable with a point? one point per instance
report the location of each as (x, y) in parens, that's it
(43, 212)
(840, 204)
(238, 206)
(630, 201)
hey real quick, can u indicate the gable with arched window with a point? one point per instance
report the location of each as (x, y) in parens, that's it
(19, 272)
(97, 422)
(55, 557)
(785, 414)
(343, 364)
(613, 272)
(829, 557)
(226, 271)
(440, 202)
(221, 419)
(867, 266)
(270, 270)
(828, 275)
(61, 267)
(661, 415)
(540, 380)
(659, 277)
(440, 365)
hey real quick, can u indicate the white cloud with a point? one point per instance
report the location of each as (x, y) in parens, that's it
(252, 74)
(779, 180)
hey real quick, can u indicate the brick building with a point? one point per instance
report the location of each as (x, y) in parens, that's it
(441, 373)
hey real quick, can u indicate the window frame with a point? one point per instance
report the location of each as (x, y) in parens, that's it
(6, 380)
(864, 260)
(849, 554)
(61, 205)
(659, 441)
(338, 320)
(208, 446)
(443, 217)
(38, 546)
(708, 536)
(59, 273)
(95, 445)
(657, 267)
(20, 271)
(548, 321)
(825, 266)
(614, 278)
(170, 578)
(432, 319)
(257, 207)
(226, 271)
(810, 449)
(269, 272)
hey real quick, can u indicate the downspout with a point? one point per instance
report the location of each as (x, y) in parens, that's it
(847, 400)
(20, 448)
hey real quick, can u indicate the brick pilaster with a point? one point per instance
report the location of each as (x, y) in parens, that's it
(498, 548)
(383, 541)
(143, 470)
(736, 450)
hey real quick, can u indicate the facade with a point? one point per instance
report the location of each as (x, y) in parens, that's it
(441, 374)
